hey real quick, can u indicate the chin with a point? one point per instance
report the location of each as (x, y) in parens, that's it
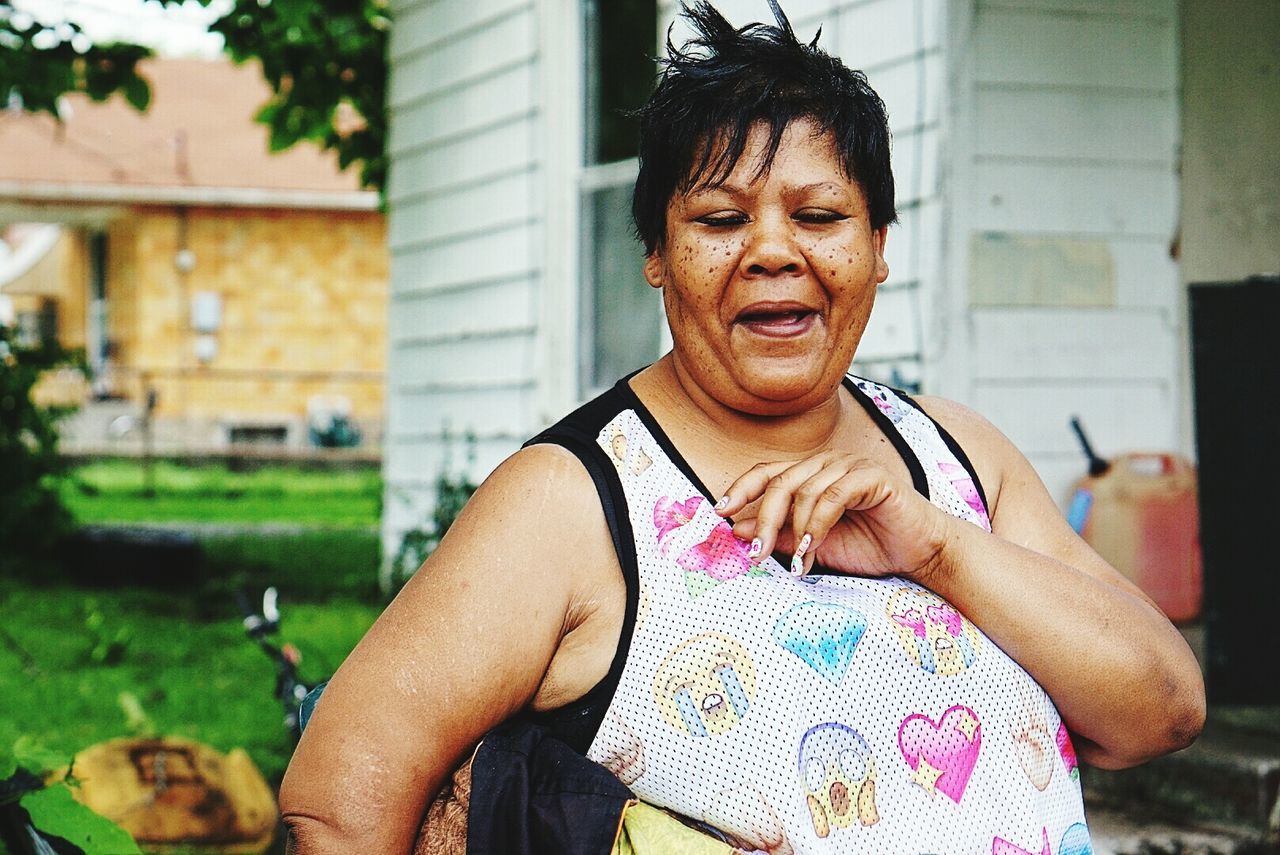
(780, 388)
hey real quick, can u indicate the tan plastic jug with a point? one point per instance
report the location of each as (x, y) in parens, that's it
(1142, 515)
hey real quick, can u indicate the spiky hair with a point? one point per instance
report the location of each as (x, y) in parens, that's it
(724, 81)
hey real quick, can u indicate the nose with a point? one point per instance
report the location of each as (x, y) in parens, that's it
(771, 248)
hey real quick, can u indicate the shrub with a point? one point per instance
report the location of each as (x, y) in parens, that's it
(32, 518)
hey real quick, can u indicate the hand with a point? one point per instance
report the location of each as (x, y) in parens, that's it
(843, 511)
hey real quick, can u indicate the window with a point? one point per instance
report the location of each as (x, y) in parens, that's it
(621, 316)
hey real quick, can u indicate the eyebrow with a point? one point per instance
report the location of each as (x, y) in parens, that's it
(737, 190)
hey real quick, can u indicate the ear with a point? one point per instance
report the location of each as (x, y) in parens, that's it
(655, 269)
(878, 238)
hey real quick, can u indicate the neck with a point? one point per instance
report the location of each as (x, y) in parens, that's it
(806, 431)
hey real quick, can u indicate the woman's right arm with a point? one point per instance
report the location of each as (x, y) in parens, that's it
(464, 646)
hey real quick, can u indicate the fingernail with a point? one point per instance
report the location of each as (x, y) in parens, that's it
(756, 548)
(723, 503)
(797, 560)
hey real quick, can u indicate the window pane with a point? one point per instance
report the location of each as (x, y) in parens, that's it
(624, 313)
(620, 41)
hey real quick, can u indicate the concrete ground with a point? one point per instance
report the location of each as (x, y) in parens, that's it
(1116, 833)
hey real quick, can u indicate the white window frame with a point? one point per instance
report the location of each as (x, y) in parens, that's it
(568, 180)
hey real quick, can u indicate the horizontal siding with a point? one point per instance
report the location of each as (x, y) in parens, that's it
(892, 331)
(1032, 47)
(427, 25)
(881, 32)
(498, 409)
(1027, 345)
(508, 42)
(487, 153)
(498, 253)
(805, 15)
(899, 47)
(916, 161)
(1118, 200)
(1159, 10)
(418, 461)
(913, 90)
(479, 360)
(1036, 415)
(1088, 125)
(911, 249)
(473, 310)
(462, 221)
(1075, 141)
(474, 209)
(460, 112)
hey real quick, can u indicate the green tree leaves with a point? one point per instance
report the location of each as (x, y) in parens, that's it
(38, 64)
(326, 62)
(29, 779)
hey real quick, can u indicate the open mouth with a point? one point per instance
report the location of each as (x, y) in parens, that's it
(777, 322)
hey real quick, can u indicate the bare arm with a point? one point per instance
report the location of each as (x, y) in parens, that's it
(1123, 678)
(464, 646)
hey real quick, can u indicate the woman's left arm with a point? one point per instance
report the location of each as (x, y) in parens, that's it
(1122, 676)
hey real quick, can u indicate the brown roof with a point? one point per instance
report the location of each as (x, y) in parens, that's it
(199, 132)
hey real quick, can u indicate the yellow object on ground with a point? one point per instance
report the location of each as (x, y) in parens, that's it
(169, 791)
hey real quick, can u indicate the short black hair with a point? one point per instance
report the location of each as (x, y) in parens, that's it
(721, 83)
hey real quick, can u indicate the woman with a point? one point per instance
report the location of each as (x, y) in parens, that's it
(769, 598)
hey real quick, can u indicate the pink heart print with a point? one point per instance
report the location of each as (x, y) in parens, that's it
(949, 746)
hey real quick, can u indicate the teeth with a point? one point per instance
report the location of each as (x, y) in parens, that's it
(780, 318)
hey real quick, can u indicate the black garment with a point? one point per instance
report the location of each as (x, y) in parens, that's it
(532, 794)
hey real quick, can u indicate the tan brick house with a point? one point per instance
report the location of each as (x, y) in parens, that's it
(245, 289)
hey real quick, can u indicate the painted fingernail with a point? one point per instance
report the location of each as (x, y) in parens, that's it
(723, 503)
(756, 548)
(797, 560)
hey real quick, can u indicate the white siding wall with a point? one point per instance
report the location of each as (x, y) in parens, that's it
(1033, 138)
(465, 259)
(1063, 298)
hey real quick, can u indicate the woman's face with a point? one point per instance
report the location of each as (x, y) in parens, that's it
(768, 283)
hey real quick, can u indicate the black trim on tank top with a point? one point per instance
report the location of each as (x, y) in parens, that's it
(577, 722)
(890, 430)
(955, 449)
(634, 403)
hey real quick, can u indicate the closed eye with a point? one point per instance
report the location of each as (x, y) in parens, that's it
(723, 219)
(819, 215)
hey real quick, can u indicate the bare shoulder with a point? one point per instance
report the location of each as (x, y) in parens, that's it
(465, 645)
(1021, 508)
(539, 505)
(993, 456)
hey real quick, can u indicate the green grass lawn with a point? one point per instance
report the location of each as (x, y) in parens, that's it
(114, 491)
(186, 662)
(78, 662)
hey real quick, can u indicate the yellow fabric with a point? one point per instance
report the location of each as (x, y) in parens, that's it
(646, 830)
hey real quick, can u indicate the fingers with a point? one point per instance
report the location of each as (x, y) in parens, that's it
(856, 489)
(774, 485)
(799, 503)
(807, 498)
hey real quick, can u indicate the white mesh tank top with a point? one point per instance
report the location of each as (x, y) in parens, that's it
(829, 714)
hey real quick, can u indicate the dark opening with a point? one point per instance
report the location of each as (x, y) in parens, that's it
(620, 36)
